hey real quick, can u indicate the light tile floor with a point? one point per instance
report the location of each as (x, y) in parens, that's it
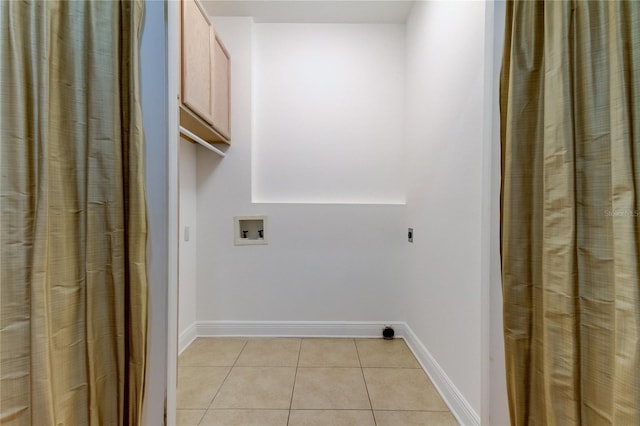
(305, 382)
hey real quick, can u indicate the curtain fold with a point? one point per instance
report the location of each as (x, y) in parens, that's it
(74, 286)
(570, 105)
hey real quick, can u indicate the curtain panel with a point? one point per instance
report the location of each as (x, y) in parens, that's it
(570, 217)
(73, 223)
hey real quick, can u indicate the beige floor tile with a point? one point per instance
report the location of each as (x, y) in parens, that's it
(328, 353)
(402, 389)
(257, 387)
(212, 351)
(245, 418)
(198, 385)
(415, 418)
(331, 417)
(189, 417)
(330, 388)
(385, 353)
(277, 352)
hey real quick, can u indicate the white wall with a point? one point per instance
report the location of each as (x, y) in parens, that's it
(326, 262)
(328, 114)
(331, 262)
(444, 135)
(187, 252)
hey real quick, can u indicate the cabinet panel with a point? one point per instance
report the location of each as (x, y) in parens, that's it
(220, 90)
(197, 39)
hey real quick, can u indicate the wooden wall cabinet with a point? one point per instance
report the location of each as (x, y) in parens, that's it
(205, 89)
(220, 88)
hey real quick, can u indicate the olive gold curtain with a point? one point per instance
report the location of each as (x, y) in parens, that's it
(73, 216)
(570, 114)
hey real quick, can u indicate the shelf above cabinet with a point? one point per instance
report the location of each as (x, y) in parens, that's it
(201, 129)
(185, 133)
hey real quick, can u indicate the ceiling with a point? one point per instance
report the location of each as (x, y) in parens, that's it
(313, 11)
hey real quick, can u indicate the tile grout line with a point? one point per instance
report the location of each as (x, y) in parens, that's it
(295, 377)
(223, 381)
(375, 422)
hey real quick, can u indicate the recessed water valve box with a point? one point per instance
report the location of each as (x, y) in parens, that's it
(250, 230)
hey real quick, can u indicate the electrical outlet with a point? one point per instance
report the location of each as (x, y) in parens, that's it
(410, 235)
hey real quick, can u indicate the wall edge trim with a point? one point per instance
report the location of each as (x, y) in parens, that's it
(457, 403)
(187, 337)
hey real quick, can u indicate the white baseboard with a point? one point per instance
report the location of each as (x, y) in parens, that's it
(187, 336)
(291, 328)
(456, 402)
(459, 406)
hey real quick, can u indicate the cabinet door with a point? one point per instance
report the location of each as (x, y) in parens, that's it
(197, 38)
(220, 90)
